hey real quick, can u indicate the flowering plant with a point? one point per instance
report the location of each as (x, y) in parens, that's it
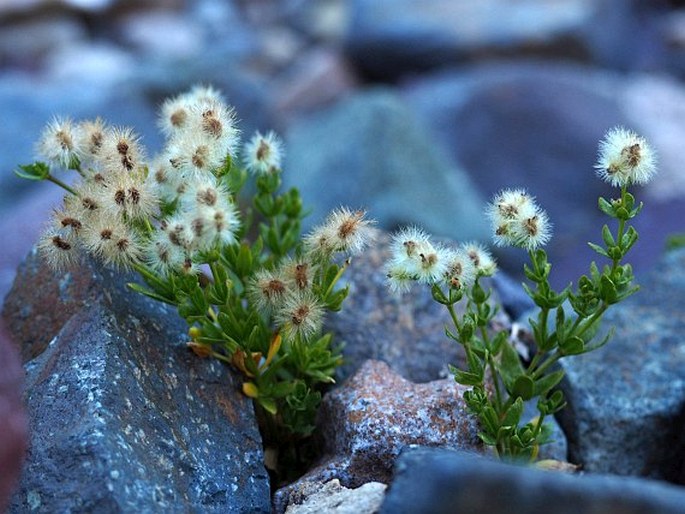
(252, 290)
(501, 382)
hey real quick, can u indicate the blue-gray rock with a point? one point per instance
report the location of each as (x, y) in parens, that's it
(370, 151)
(123, 417)
(625, 401)
(537, 125)
(441, 481)
(388, 38)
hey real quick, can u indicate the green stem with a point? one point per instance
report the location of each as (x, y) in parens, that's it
(61, 184)
(546, 364)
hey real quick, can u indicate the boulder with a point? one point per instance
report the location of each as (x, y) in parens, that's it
(625, 401)
(366, 422)
(369, 151)
(123, 416)
(441, 481)
(13, 423)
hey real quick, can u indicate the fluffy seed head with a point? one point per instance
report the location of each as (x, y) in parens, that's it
(57, 143)
(460, 270)
(267, 291)
(343, 231)
(263, 153)
(518, 221)
(301, 315)
(481, 258)
(59, 247)
(624, 158)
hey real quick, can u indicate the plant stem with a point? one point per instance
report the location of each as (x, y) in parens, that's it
(61, 184)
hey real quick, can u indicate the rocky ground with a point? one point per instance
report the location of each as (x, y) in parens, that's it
(417, 110)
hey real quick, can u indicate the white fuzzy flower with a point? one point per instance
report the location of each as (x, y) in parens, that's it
(517, 220)
(625, 158)
(482, 259)
(57, 143)
(263, 153)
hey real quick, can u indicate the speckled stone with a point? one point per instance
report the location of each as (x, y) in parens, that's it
(626, 401)
(123, 417)
(439, 481)
(13, 424)
(366, 422)
(333, 498)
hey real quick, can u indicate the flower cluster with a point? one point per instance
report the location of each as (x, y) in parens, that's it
(253, 296)
(414, 258)
(518, 221)
(625, 158)
(286, 291)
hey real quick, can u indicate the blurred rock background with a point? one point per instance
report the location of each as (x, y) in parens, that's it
(417, 110)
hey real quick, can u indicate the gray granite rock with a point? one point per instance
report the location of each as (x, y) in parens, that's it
(13, 422)
(626, 400)
(123, 417)
(442, 482)
(333, 498)
(370, 151)
(367, 421)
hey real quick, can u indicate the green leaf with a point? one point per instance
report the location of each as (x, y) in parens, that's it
(487, 439)
(151, 294)
(513, 415)
(607, 290)
(523, 387)
(606, 207)
(607, 236)
(510, 366)
(572, 346)
(467, 378)
(34, 171)
(269, 405)
(598, 249)
(545, 384)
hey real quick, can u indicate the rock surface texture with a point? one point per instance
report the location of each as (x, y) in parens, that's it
(13, 423)
(123, 416)
(333, 498)
(625, 401)
(368, 421)
(443, 482)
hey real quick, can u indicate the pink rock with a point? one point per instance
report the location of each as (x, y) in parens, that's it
(367, 422)
(13, 424)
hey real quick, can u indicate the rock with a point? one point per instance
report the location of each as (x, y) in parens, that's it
(333, 498)
(368, 150)
(388, 38)
(366, 422)
(162, 33)
(441, 481)
(316, 79)
(13, 424)
(537, 125)
(26, 43)
(625, 401)
(123, 416)
(323, 20)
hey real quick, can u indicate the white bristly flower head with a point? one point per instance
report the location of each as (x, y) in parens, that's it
(518, 221)
(344, 230)
(263, 153)
(57, 143)
(625, 158)
(301, 315)
(414, 255)
(482, 259)
(59, 247)
(460, 272)
(267, 291)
